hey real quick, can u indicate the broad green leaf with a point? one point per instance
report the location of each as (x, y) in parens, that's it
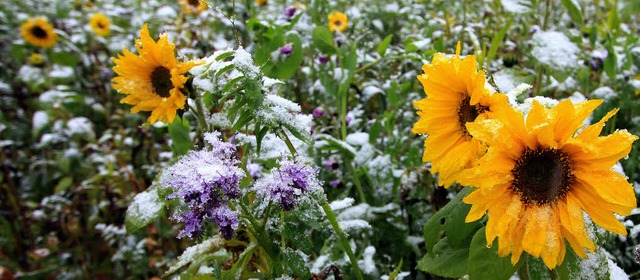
(446, 261)
(455, 227)
(497, 40)
(569, 266)
(64, 184)
(323, 39)
(484, 262)
(382, 48)
(65, 58)
(286, 68)
(297, 264)
(611, 60)
(435, 225)
(146, 207)
(574, 11)
(179, 133)
(244, 119)
(298, 238)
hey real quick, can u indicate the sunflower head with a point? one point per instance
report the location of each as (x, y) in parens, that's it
(100, 24)
(338, 22)
(38, 32)
(539, 176)
(456, 96)
(36, 59)
(261, 2)
(153, 79)
(193, 6)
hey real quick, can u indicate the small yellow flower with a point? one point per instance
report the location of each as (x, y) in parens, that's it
(456, 96)
(539, 176)
(153, 79)
(193, 6)
(338, 22)
(36, 59)
(38, 32)
(261, 2)
(100, 24)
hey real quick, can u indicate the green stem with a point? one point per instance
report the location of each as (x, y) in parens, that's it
(287, 141)
(202, 122)
(373, 63)
(343, 115)
(263, 240)
(331, 216)
(356, 181)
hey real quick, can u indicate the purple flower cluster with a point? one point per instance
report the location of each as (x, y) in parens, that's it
(206, 180)
(289, 182)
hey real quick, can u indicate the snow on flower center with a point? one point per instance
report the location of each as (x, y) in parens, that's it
(541, 176)
(161, 81)
(468, 113)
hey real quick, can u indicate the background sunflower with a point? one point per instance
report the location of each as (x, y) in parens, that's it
(338, 21)
(38, 32)
(100, 24)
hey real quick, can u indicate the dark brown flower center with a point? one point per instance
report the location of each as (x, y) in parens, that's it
(337, 23)
(100, 24)
(468, 113)
(39, 32)
(194, 2)
(161, 81)
(542, 176)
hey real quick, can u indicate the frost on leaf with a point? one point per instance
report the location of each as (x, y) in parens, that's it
(145, 207)
(196, 251)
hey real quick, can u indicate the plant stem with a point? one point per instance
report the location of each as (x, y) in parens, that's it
(262, 239)
(331, 216)
(287, 141)
(356, 182)
(202, 122)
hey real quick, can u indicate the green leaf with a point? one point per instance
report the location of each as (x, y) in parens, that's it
(536, 269)
(64, 184)
(179, 133)
(455, 227)
(297, 264)
(484, 262)
(260, 134)
(569, 266)
(446, 261)
(290, 65)
(323, 39)
(611, 60)
(382, 48)
(298, 238)
(146, 207)
(435, 225)
(574, 11)
(495, 42)
(244, 119)
(231, 83)
(65, 58)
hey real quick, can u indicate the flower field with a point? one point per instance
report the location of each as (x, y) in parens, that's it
(273, 139)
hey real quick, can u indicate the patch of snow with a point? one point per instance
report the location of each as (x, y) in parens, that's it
(358, 138)
(40, 120)
(190, 253)
(342, 204)
(555, 50)
(515, 6)
(605, 93)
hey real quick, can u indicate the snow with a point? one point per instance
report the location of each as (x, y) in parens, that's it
(145, 205)
(342, 204)
(40, 120)
(367, 264)
(555, 50)
(197, 250)
(166, 12)
(369, 91)
(605, 93)
(358, 138)
(615, 272)
(79, 126)
(515, 6)
(243, 61)
(61, 72)
(354, 225)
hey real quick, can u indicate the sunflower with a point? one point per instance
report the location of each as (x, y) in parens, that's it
(153, 80)
(261, 2)
(538, 176)
(456, 95)
(192, 6)
(38, 32)
(338, 22)
(100, 24)
(36, 59)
